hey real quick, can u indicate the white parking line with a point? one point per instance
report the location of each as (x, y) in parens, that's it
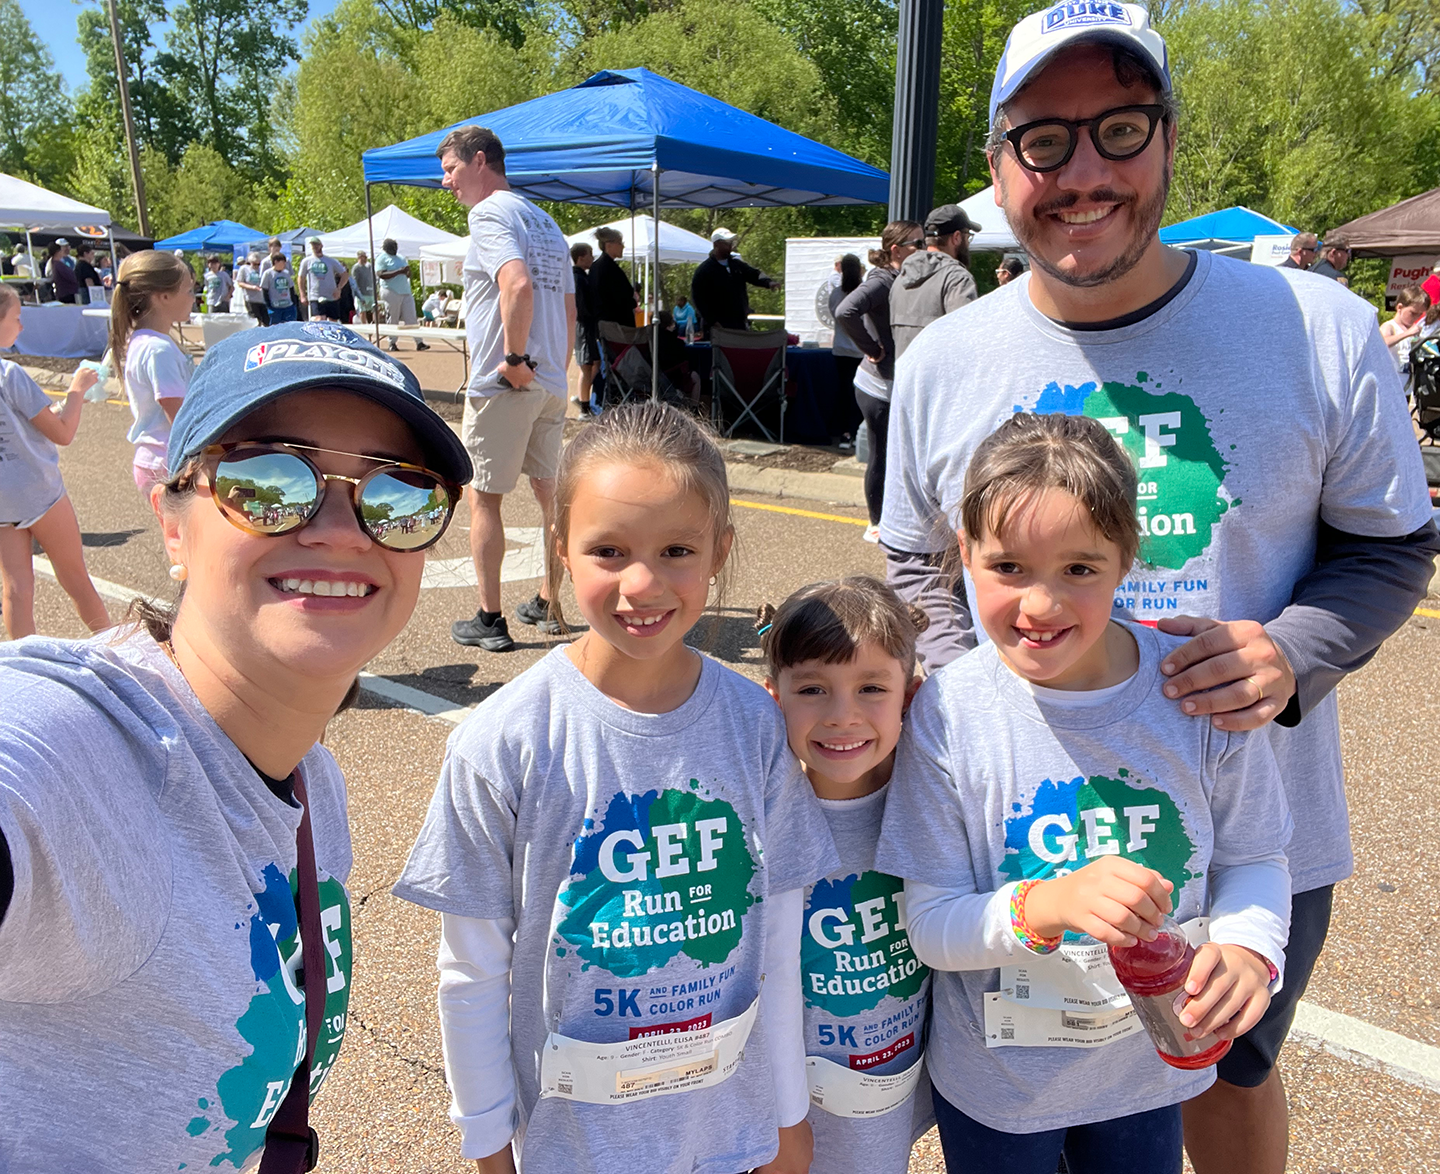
(1369, 1046)
(1341, 1035)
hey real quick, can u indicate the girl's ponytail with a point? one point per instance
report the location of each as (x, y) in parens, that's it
(139, 278)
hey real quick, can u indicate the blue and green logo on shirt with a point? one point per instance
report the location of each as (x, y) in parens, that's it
(665, 873)
(855, 950)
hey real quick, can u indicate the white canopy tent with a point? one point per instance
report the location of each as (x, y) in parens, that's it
(409, 233)
(676, 244)
(26, 205)
(994, 235)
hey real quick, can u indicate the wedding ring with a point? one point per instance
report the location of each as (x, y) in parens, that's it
(1259, 688)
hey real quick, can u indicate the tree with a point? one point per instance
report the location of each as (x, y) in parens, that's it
(36, 137)
(161, 120)
(1288, 107)
(220, 61)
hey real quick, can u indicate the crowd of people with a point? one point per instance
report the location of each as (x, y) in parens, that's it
(686, 923)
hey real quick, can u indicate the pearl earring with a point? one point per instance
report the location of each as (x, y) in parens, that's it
(178, 572)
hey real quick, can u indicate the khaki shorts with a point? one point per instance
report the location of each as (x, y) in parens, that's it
(511, 434)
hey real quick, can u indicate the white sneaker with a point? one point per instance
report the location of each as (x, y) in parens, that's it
(872, 534)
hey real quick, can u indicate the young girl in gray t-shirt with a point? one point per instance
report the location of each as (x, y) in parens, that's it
(1048, 802)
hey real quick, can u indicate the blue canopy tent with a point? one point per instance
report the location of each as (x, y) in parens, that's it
(1226, 231)
(633, 139)
(630, 138)
(217, 235)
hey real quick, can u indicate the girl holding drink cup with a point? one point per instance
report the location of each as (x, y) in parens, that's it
(1048, 803)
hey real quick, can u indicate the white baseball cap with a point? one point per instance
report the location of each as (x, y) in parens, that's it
(722, 234)
(1039, 36)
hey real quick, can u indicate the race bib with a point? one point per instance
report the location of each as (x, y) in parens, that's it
(649, 1066)
(847, 1093)
(1068, 999)
(1078, 978)
(1011, 1025)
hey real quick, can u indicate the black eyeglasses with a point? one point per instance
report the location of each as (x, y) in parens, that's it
(274, 489)
(1048, 143)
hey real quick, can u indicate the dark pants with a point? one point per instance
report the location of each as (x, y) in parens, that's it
(1143, 1143)
(260, 312)
(877, 419)
(934, 584)
(279, 314)
(846, 416)
(1253, 1055)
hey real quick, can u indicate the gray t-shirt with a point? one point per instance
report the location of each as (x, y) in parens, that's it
(636, 853)
(277, 287)
(505, 227)
(321, 276)
(1256, 403)
(867, 997)
(251, 275)
(364, 278)
(993, 786)
(29, 464)
(149, 1017)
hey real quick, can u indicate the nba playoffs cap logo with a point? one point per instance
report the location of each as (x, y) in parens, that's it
(336, 354)
(1037, 38)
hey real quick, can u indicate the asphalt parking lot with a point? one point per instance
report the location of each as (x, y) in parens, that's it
(1363, 1078)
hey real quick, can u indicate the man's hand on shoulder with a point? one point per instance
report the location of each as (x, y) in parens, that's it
(1229, 669)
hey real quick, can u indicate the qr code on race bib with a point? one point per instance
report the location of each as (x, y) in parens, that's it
(1007, 1033)
(566, 1088)
(1022, 990)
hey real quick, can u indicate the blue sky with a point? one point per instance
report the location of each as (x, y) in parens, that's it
(54, 23)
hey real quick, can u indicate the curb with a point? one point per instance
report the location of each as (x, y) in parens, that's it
(834, 488)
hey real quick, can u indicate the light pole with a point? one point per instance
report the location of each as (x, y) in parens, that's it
(916, 129)
(137, 181)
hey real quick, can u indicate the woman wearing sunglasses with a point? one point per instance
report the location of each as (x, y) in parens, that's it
(174, 929)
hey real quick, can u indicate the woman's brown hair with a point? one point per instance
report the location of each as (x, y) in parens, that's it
(896, 232)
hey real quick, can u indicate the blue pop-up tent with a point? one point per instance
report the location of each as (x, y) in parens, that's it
(629, 138)
(625, 137)
(215, 236)
(1226, 229)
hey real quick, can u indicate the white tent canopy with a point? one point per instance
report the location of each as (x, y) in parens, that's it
(676, 244)
(25, 205)
(410, 234)
(994, 235)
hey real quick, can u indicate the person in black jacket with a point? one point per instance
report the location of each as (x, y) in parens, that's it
(587, 325)
(614, 296)
(864, 316)
(718, 287)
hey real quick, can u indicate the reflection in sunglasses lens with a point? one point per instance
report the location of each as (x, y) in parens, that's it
(404, 509)
(266, 492)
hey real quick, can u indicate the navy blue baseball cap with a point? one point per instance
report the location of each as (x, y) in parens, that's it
(251, 368)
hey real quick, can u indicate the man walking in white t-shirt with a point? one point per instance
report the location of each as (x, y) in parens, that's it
(520, 321)
(1285, 524)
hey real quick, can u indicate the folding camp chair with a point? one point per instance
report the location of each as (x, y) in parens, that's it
(747, 372)
(1425, 388)
(626, 351)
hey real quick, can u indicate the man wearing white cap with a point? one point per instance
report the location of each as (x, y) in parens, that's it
(1284, 515)
(718, 287)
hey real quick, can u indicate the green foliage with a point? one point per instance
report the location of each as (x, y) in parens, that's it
(36, 135)
(1287, 107)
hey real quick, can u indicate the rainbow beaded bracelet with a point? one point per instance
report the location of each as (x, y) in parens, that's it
(1032, 941)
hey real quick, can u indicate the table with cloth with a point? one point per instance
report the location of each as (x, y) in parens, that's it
(815, 414)
(62, 331)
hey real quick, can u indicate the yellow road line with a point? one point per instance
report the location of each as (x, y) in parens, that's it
(785, 509)
(1427, 611)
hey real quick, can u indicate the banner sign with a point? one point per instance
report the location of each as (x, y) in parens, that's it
(1411, 270)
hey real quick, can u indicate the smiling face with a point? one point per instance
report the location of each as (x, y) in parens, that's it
(1044, 589)
(471, 182)
(321, 600)
(640, 551)
(843, 720)
(1091, 221)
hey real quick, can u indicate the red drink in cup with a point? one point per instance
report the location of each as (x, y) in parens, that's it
(1153, 974)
